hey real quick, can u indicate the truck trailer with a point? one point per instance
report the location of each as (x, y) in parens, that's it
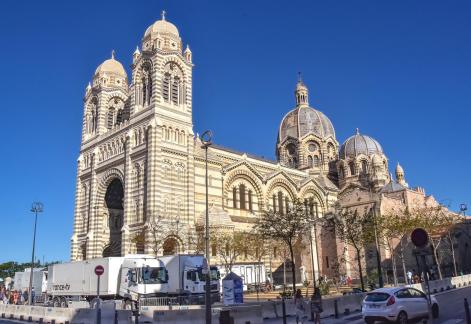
(21, 280)
(130, 278)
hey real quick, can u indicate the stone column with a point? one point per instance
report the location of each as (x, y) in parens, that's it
(75, 246)
(151, 208)
(92, 223)
(128, 214)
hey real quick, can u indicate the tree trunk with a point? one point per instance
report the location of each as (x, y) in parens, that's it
(293, 268)
(437, 261)
(360, 269)
(403, 262)
(393, 261)
(453, 253)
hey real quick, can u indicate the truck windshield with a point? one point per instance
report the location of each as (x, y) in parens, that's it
(214, 274)
(154, 275)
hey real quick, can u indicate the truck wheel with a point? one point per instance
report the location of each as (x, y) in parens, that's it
(56, 302)
(63, 302)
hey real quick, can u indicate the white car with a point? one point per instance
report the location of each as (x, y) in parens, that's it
(397, 304)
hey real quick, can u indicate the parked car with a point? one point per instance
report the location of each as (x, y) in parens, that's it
(397, 304)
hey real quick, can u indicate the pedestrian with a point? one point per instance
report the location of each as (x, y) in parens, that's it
(15, 297)
(409, 277)
(24, 298)
(33, 295)
(299, 306)
(316, 305)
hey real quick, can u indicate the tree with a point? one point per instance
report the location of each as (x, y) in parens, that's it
(258, 248)
(286, 227)
(438, 222)
(353, 229)
(228, 245)
(393, 227)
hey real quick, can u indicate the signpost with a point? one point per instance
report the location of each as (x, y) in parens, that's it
(99, 270)
(419, 238)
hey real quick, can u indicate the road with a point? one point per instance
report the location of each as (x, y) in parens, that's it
(451, 310)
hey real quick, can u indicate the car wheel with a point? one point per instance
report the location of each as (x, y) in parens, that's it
(402, 318)
(63, 302)
(435, 311)
(56, 302)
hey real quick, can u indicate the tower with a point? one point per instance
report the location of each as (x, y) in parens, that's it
(400, 177)
(135, 161)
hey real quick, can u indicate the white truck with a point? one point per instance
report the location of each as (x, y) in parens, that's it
(131, 278)
(187, 280)
(21, 280)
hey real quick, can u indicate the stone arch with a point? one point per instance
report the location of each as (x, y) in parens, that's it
(114, 203)
(172, 245)
(312, 190)
(248, 176)
(283, 186)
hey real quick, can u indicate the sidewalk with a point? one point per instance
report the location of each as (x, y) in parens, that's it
(352, 318)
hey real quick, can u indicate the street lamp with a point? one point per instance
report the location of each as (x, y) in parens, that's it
(463, 209)
(206, 140)
(36, 208)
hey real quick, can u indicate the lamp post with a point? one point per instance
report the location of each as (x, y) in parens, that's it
(463, 209)
(206, 140)
(36, 208)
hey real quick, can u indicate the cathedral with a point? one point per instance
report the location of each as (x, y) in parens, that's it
(141, 168)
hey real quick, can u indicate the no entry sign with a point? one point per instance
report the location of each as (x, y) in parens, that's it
(99, 270)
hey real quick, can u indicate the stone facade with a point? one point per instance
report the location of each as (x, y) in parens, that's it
(141, 167)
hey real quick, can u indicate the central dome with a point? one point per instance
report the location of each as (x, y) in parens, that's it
(305, 120)
(162, 27)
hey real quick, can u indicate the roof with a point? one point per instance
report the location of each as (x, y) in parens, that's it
(359, 144)
(392, 186)
(304, 120)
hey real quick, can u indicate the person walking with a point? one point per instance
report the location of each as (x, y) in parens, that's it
(299, 306)
(316, 305)
(409, 277)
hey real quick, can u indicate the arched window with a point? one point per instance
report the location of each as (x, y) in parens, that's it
(166, 87)
(364, 167)
(309, 161)
(250, 201)
(176, 90)
(234, 197)
(146, 84)
(274, 203)
(316, 161)
(242, 196)
(280, 202)
(110, 118)
(287, 204)
(119, 117)
(352, 168)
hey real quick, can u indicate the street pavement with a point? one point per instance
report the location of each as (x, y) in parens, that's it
(451, 310)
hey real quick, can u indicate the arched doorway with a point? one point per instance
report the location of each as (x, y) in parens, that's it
(170, 246)
(114, 203)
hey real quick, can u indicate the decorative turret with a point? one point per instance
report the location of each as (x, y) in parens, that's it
(301, 93)
(136, 54)
(188, 54)
(400, 178)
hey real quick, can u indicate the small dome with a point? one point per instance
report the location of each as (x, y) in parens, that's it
(304, 120)
(399, 169)
(359, 144)
(111, 66)
(162, 27)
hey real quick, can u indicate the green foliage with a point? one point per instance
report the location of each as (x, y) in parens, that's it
(8, 269)
(324, 287)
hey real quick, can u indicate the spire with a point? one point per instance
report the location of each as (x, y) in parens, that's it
(89, 86)
(112, 54)
(400, 176)
(163, 14)
(137, 51)
(357, 131)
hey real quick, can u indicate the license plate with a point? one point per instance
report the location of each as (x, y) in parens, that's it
(374, 306)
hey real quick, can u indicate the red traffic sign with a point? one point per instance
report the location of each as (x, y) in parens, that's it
(419, 237)
(99, 270)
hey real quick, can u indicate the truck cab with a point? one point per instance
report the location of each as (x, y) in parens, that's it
(143, 277)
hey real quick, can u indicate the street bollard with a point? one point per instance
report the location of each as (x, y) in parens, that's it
(336, 308)
(466, 310)
(283, 307)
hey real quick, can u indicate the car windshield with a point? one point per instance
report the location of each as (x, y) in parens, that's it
(154, 275)
(376, 297)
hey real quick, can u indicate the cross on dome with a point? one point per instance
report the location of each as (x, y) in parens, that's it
(112, 54)
(163, 14)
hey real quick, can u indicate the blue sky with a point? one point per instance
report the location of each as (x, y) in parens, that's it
(398, 70)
